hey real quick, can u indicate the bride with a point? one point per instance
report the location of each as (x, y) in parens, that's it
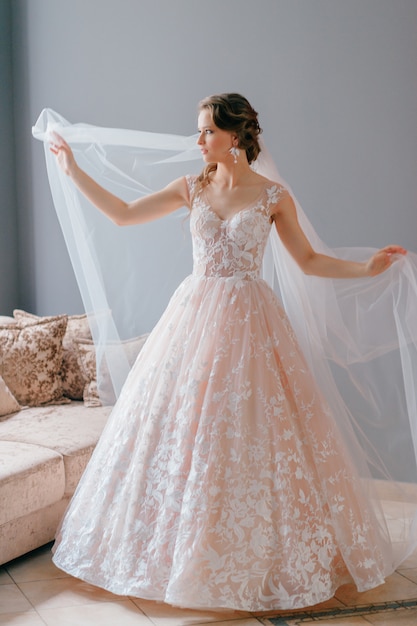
(230, 473)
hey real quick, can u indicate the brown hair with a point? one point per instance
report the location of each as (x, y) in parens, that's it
(232, 112)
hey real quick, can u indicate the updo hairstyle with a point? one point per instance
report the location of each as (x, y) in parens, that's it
(233, 112)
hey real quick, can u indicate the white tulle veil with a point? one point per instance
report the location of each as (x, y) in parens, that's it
(359, 336)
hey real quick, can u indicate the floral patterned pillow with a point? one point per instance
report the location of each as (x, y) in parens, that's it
(73, 381)
(87, 361)
(31, 360)
(6, 319)
(8, 403)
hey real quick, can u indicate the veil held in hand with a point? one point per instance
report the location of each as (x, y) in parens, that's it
(359, 336)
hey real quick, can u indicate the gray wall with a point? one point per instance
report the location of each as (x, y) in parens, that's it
(334, 81)
(9, 271)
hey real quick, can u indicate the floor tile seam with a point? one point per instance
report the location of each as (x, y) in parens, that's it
(95, 603)
(310, 621)
(4, 571)
(48, 611)
(132, 600)
(206, 621)
(56, 576)
(43, 579)
(10, 575)
(359, 611)
(86, 601)
(27, 598)
(30, 612)
(41, 618)
(404, 575)
(15, 584)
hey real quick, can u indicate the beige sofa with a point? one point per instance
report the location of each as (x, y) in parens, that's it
(46, 436)
(43, 452)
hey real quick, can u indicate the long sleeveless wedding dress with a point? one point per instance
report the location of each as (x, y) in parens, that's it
(221, 479)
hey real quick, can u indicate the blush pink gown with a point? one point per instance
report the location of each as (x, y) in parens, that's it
(220, 480)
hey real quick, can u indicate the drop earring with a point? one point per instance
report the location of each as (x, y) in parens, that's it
(235, 153)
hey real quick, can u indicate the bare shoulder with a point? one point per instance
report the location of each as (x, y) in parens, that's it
(179, 188)
(263, 180)
(179, 184)
(257, 179)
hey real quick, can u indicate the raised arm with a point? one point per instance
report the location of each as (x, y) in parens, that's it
(316, 264)
(151, 207)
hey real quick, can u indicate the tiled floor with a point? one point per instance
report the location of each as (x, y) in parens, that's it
(33, 592)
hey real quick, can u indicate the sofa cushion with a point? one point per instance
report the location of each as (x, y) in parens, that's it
(77, 328)
(71, 430)
(23, 534)
(87, 361)
(31, 478)
(31, 359)
(8, 403)
(6, 319)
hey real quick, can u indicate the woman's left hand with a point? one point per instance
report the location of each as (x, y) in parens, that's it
(383, 259)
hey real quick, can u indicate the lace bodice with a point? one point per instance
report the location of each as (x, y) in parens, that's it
(232, 247)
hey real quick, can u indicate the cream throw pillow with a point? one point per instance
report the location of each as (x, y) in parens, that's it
(6, 319)
(87, 361)
(8, 403)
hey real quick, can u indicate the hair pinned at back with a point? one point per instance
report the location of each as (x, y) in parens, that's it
(234, 113)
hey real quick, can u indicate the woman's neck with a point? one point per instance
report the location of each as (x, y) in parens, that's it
(228, 176)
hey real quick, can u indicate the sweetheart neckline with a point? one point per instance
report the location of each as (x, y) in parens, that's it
(229, 219)
(249, 207)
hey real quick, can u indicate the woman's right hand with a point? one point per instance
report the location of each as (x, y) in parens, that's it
(63, 153)
(139, 211)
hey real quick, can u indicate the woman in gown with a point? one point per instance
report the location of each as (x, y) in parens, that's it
(221, 479)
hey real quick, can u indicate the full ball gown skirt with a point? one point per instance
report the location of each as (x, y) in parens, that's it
(220, 480)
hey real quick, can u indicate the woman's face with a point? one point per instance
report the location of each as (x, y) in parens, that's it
(214, 143)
